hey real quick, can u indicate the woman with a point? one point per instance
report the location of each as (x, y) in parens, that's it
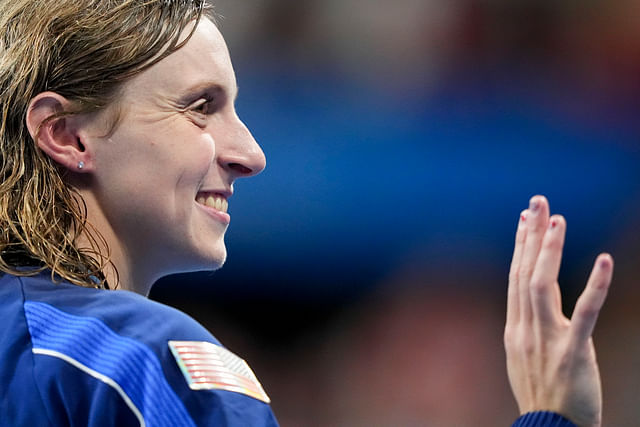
(120, 146)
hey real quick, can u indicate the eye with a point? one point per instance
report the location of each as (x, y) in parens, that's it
(203, 106)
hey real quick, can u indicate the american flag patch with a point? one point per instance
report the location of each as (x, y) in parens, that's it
(207, 366)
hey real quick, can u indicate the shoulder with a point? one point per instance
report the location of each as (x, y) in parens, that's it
(125, 313)
(134, 348)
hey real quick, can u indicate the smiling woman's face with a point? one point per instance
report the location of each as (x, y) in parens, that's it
(161, 180)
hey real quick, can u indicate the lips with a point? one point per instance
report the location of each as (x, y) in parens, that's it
(213, 200)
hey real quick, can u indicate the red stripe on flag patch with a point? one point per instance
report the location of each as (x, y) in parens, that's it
(207, 366)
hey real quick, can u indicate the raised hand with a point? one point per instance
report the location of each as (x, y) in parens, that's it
(551, 359)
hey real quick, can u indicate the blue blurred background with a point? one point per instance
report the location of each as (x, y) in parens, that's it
(367, 265)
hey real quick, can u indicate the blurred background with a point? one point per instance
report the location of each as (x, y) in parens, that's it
(367, 271)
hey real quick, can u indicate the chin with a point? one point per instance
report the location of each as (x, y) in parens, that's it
(217, 264)
(193, 259)
(213, 259)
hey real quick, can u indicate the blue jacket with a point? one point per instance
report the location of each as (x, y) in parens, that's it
(542, 419)
(74, 356)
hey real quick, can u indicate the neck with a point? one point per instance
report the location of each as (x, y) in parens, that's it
(120, 275)
(124, 270)
(118, 272)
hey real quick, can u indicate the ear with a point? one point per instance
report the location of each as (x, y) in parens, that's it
(57, 137)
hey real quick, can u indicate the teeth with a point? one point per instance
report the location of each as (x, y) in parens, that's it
(214, 201)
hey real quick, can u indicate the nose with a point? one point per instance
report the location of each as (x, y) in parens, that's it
(241, 155)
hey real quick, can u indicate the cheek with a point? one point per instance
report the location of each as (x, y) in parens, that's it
(207, 149)
(189, 156)
(194, 161)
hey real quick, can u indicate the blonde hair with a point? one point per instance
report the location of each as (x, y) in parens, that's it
(83, 50)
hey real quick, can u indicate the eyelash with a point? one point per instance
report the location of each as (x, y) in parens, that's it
(204, 106)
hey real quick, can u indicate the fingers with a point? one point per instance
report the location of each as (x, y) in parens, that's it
(588, 306)
(536, 224)
(544, 290)
(533, 277)
(513, 299)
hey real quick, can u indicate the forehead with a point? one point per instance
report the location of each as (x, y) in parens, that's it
(203, 60)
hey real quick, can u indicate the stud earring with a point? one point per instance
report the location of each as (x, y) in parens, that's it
(80, 165)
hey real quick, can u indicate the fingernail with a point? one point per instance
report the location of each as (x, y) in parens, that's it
(605, 261)
(534, 205)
